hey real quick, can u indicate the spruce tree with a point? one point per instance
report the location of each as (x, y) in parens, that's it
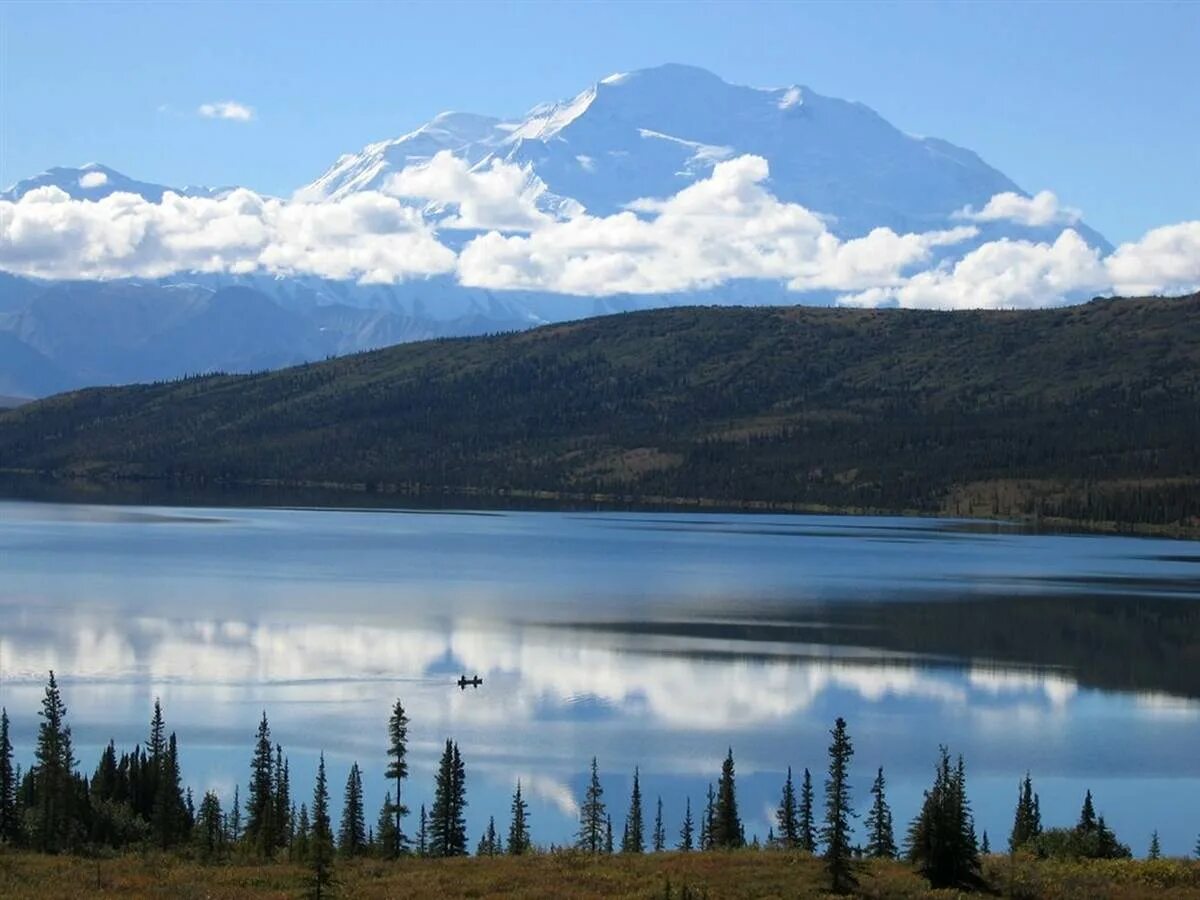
(835, 833)
(423, 834)
(608, 835)
(807, 836)
(985, 846)
(260, 805)
(687, 830)
(489, 842)
(301, 840)
(706, 824)
(397, 769)
(592, 814)
(169, 815)
(9, 821)
(660, 833)
(210, 836)
(320, 844)
(1027, 821)
(634, 838)
(787, 816)
(447, 828)
(881, 843)
(281, 813)
(1155, 851)
(727, 825)
(352, 831)
(1087, 816)
(941, 840)
(235, 816)
(518, 829)
(52, 776)
(385, 829)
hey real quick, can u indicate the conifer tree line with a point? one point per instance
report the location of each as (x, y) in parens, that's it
(136, 798)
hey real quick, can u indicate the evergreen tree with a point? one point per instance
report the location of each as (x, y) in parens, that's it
(985, 847)
(281, 813)
(687, 830)
(608, 835)
(352, 831)
(397, 769)
(260, 805)
(726, 831)
(9, 821)
(423, 834)
(302, 839)
(385, 829)
(634, 838)
(210, 836)
(881, 843)
(1155, 852)
(235, 816)
(489, 843)
(157, 745)
(1087, 816)
(447, 827)
(592, 814)
(941, 840)
(169, 816)
(660, 833)
(807, 836)
(518, 829)
(320, 849)
(1027, 821)
(835, 833)
(706, 824)
(787, 816)
(52, 776)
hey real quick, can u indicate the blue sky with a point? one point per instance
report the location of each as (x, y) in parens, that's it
(1095, 101)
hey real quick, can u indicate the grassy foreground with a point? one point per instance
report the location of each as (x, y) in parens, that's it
(568, 875)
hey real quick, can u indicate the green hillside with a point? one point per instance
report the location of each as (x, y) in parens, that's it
(1089, 413)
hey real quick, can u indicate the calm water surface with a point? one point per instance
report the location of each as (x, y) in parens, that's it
(650, 640)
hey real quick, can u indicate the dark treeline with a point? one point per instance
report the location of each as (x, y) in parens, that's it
(136, 800)
(1090, 413)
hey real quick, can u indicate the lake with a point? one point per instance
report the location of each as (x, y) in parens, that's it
(655, 640)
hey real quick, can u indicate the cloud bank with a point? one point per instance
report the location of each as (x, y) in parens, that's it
(513, 234)
(226, 109)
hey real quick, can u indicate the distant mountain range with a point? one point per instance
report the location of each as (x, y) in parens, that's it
(1086, 413)
(641, 134)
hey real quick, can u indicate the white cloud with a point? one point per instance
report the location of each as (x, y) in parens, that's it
(495, 195)
(93, 180)
(999, 274)
(368, 237)
(1165, 260)
(226, 109)
(720, 228)
(1041, 209)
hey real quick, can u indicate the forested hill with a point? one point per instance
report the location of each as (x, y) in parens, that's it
(1088, 412)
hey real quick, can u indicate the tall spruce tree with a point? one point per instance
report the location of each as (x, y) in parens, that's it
(10, 832)
(881, 842)
(260, 832)
(52, 776)
(710, 815)
(941, 840)
(592, 814)
(807, 836)
(608, 834)
(447, 826)
(210, 829)
(235, 816)
(281, 795)
(1027, 821)
(787, 816)
(634, 840)
(985, 846)
(687, 831)
(385, 827)
(518, 828)
(352, 831)
(835, 833)
(169, 816)
(1155, 851)
(1087, 816)
(727, 824)
(320, 842)
(423, 834)
(397, 770)
(659, 841)
(302, 838)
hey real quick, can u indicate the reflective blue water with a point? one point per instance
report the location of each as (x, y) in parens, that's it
(650, 640)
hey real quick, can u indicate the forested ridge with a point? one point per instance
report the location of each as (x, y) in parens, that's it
(1089, 413)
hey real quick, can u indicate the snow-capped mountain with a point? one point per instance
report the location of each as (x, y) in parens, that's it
(650, 133)
(93, 181)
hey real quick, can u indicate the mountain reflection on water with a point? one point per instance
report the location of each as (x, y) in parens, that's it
(650, 640)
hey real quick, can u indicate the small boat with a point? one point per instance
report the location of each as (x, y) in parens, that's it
(464, 681)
